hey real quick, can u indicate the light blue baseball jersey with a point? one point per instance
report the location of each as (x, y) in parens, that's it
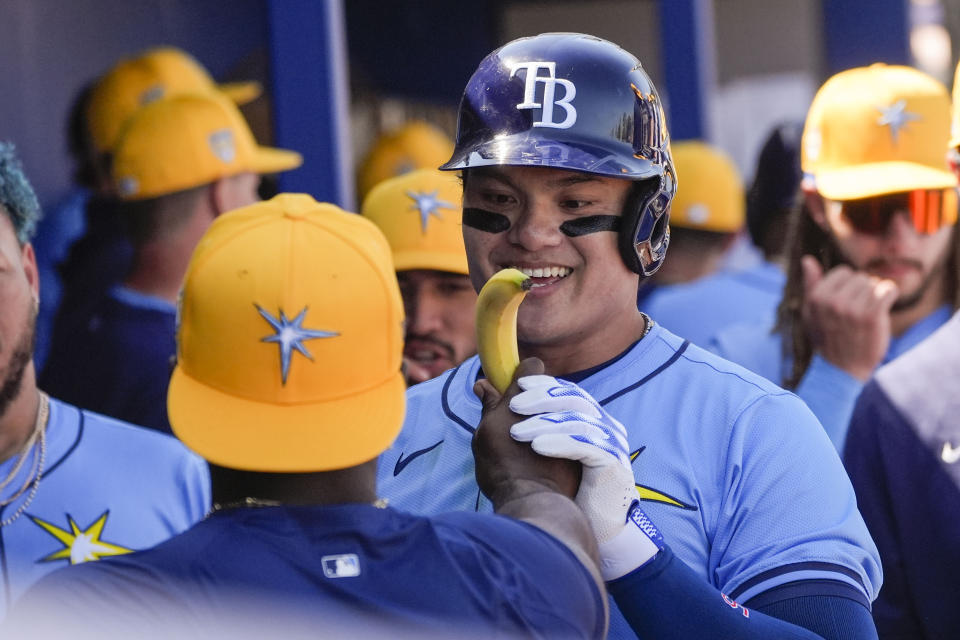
(697, 310)
(829, 391)
(736, 472)
(108, 488)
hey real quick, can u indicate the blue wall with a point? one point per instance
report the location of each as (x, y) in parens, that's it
(50, 48)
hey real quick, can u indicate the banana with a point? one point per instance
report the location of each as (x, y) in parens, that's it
(497, 307)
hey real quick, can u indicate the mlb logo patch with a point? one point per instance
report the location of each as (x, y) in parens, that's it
(345, 565)
(222, 145)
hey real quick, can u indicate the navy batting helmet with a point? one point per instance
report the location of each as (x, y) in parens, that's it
(577, 102)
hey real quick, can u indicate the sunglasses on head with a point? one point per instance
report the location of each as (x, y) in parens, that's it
(927, 209)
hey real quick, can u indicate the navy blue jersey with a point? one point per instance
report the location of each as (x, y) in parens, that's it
(735, 471)
(903, 457)
(116, 359)
(344, 567)
(697, 310)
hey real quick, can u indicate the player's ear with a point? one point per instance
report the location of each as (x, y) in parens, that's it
(29, 261)
(219, 197)
(816, 206)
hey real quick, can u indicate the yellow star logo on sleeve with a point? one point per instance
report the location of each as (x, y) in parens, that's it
(648, 493)
(80, 546)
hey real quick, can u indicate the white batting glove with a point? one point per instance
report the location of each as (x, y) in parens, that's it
(568, 423)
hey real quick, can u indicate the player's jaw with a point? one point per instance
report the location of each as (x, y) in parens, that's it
(19, 355)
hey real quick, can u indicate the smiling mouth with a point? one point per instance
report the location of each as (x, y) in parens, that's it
(542, 276)
(428, 352)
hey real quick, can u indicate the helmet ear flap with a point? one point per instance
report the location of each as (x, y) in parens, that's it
(645, 234)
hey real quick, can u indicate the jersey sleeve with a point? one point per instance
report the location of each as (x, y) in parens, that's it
(197, 494)
(752, 346)
(536, 578)
(788, 511)
(666, 599)
(830, 392)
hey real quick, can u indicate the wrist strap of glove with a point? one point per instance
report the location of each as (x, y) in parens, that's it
(633, 547)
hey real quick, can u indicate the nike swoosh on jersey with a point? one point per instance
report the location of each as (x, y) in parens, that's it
(403, 462)
(950, 453)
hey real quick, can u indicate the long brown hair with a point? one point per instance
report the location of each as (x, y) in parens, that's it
(806, 237)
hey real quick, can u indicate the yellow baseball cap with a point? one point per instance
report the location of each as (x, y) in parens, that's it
(186, 141)
(416, 145)
(955, 111)
(154, 74)
(877, 130)
(289, 340)
(420, 213)
(711, 196)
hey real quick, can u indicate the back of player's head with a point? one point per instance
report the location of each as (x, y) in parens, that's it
(154, 74)
(289, 340)
(186, 141)
(415, 145)
(419, 213)
(711, 196)
(17, 198)
(876, 130)
(776, 182)
(577, 102)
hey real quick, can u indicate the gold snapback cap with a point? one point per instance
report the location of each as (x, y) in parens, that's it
(154, 74)
(186, 141)
(876, 130)
(711, 196)
(420, 213)
(289, 340)
(955, 111)
(415, 145)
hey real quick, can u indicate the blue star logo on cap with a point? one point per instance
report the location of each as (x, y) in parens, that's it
(290, 335)
(896, 117)
(428, 205)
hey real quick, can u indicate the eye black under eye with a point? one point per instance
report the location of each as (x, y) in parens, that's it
(590, 224)
(484, 220)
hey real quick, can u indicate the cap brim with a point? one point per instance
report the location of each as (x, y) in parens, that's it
(298, 438)
(241, 92)
(877, 179)
(271, 160)
(409, 260)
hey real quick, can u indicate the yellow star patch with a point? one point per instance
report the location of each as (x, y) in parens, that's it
(80, 546)
(648, 493)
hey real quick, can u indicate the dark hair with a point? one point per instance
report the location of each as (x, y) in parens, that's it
(773, 194)
(808, 238)
(148, 220)
(79, 143)
(17, 198)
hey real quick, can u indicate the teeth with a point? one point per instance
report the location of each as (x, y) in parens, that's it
(545, 272)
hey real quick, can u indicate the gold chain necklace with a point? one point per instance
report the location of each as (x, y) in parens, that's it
(260, 503)
(39, 433)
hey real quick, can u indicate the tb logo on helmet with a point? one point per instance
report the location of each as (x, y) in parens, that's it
(550, 82)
